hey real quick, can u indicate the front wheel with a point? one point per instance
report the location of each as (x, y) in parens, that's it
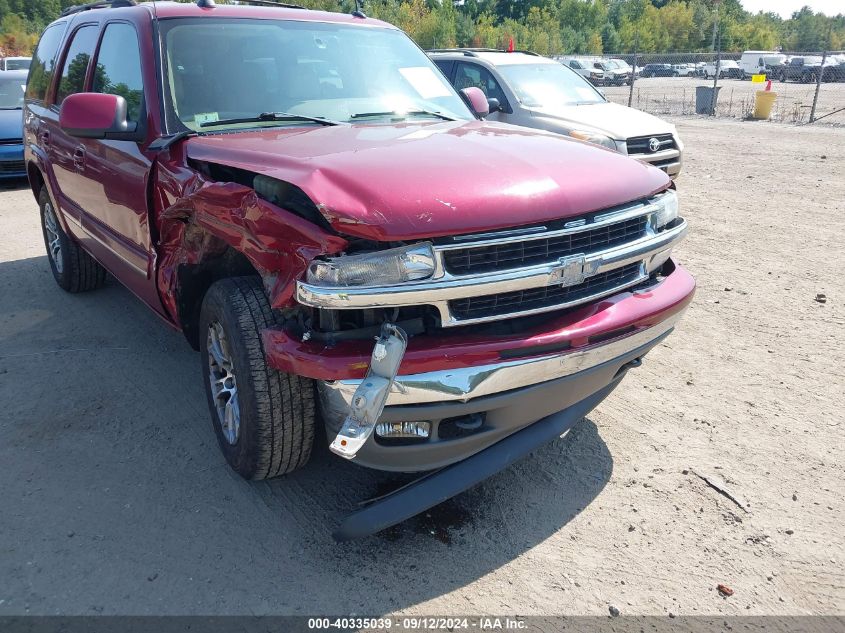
(263, 418)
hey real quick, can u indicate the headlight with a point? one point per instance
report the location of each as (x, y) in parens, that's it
(380, 268)
(667, 209)
(594, 137)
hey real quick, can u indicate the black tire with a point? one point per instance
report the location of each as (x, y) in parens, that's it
(276, 410)
(73, 269)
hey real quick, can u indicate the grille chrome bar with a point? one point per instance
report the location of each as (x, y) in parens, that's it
(644, 254)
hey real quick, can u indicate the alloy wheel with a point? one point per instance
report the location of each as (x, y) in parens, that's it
(54, 243)
(224, 385)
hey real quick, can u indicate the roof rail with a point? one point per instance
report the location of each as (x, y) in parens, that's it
(113, 4)
(272, 3)
(471, 52)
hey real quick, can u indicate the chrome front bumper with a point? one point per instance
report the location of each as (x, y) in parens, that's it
(467, 383)
(651, 251)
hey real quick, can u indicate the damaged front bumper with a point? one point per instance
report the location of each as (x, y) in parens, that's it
(472, 391)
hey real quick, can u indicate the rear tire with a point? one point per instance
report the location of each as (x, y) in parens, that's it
(73, 269)
(263, 419)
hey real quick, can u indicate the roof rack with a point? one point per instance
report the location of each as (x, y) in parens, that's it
(272, 3)
(471, 52)
(112, 4)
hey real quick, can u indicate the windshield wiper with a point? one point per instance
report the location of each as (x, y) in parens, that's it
(272, 116)
(397, 114)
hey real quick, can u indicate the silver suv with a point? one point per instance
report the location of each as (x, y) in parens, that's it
(534, 91)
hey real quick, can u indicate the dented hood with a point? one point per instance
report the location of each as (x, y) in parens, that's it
(410, 181)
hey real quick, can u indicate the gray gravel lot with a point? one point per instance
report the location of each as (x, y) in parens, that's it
(116, 500)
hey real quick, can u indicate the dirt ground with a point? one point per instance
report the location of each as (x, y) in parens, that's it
(116, 500)
(676, 96)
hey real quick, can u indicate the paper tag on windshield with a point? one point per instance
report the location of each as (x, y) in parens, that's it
(206, 117)
(425, 82)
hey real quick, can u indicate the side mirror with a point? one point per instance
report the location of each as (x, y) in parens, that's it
(95, 115)
(477, 100)
(493, 105)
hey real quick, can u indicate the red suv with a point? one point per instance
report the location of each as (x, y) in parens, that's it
(347, 242)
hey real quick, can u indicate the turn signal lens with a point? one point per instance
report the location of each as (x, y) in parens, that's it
(668, 209)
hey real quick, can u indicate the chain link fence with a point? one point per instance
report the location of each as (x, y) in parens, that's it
(808, 86)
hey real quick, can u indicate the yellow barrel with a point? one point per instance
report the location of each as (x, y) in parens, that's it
(763, 102)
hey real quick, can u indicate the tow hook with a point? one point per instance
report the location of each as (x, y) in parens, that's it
(371, 395)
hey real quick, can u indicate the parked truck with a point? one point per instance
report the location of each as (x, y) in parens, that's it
(355, 253)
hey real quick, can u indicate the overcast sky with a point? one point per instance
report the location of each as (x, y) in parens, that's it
(786, 7)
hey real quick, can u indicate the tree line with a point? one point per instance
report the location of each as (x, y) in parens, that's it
(544, 26)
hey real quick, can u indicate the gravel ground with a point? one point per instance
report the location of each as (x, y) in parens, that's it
(116, 499)
(676, 95)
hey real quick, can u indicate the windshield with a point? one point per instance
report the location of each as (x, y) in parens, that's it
(11, 93)
(547, 85)
(17, 64)
(306, 69)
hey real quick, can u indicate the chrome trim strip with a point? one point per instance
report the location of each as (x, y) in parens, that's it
(466, 383)
(604, 219)
(438, 291)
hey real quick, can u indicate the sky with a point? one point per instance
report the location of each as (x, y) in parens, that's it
(786, 7)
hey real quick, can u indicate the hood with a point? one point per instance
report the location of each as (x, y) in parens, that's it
(11, 124)
(617, 121)
(412, 181)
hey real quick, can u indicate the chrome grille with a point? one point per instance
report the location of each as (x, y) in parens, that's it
(535, 299)
(528, 252)
(640, 144)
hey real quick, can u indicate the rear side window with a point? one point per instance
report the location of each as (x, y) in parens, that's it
(76, 62)
(43, 63)
(118, 69)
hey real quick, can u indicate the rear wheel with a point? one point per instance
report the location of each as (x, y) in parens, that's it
(73, 269)
(263, 418)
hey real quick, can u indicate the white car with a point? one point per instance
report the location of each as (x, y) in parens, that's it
(584, 66)
(538, 92)
(727, 68)
(15, 63)
(683, 70)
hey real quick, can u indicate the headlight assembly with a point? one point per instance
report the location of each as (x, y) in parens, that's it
(594, 137)
(667, 209)
(379, 268)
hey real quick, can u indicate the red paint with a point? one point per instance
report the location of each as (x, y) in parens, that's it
(450, 350)
(144, 214)
(420, 180)
(89, 111)
(478, 100)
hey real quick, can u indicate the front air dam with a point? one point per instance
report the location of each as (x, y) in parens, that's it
(440, 485)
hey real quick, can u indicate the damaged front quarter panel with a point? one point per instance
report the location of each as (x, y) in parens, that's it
(205, 218)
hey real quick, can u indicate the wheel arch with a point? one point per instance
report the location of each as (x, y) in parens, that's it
(194, 280)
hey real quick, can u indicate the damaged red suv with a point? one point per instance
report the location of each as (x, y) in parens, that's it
(345, 240)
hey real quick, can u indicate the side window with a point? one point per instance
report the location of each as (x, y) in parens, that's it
(43, 62)
(574, 64)
(76, 62)
(118, 69)
(445, 66)
(474, 75)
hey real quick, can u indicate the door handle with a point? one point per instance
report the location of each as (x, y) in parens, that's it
(79, 158)
(44, 138)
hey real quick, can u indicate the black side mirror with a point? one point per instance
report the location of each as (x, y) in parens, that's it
(494, 105)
